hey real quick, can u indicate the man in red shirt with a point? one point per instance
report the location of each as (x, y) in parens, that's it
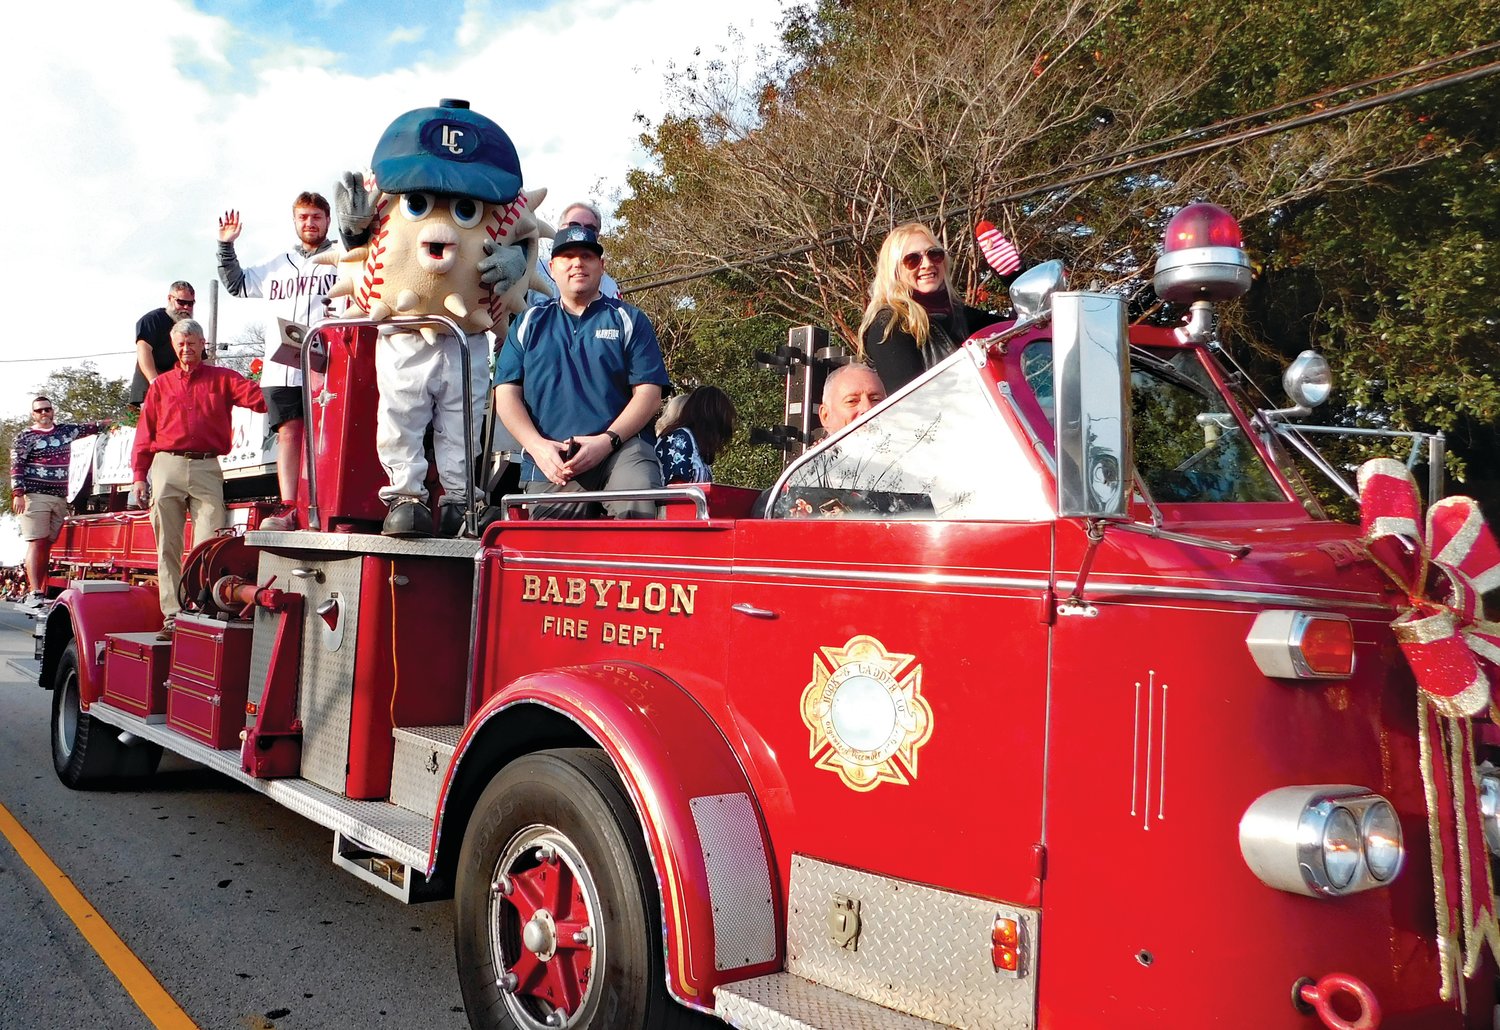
(184, 427)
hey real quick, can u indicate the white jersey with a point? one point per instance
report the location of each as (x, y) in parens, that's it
(292, 287)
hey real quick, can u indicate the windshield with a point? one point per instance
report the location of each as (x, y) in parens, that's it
(1188, 447)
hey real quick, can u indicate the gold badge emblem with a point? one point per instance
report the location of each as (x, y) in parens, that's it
(866, 715)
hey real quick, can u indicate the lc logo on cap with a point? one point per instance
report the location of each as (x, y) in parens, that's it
(457, 140)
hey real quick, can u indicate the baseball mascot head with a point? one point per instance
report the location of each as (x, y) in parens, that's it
(444, 223)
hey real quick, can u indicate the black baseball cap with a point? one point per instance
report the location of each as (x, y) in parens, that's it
(577, 236)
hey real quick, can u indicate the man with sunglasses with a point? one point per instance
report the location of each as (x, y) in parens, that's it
(39, 464)
(153, 344)
(580, 212)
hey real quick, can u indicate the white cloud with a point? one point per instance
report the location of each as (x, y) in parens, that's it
(405, 34)
(139, 124)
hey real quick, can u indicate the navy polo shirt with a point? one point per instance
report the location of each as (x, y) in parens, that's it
(577, 371)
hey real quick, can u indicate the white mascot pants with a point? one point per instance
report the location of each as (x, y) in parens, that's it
(421, 384)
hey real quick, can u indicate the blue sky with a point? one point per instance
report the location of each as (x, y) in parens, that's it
(133, 125)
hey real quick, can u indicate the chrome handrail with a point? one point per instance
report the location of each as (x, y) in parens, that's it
(310, 454)
(669, 494)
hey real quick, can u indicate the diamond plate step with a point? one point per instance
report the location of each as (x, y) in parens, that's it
(783, 1001)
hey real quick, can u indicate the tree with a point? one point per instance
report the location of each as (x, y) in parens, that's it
(787, 175)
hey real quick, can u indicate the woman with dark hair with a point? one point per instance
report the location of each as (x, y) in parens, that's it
(689, 441)
(915, 318)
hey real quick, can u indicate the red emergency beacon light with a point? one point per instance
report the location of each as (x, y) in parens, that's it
(1203, 257)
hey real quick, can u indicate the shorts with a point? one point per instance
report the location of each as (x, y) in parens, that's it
(43, 517)
(283, 404)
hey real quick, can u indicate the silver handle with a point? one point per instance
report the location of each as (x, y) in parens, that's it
(753, 612)
(306, 573)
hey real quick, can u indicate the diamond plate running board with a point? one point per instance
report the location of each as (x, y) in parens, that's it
(377, 825)
(783, 1001)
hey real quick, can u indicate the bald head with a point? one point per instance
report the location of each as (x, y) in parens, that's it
(849, 392)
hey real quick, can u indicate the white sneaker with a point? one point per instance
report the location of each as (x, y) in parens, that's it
(34, 601)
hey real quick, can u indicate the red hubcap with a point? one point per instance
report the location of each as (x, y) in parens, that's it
(552, 919)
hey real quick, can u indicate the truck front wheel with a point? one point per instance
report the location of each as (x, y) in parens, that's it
(85, 751)
(557, 910)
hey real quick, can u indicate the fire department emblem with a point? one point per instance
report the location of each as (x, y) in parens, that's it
(866, 715)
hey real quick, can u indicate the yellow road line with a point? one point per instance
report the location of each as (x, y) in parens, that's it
(152, 997)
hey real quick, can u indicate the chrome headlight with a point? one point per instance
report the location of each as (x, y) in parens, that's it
(1489, 805)
(1324, 840)
(1382, 841)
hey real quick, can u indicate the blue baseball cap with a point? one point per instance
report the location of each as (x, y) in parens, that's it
(448, 149)
(577, 236)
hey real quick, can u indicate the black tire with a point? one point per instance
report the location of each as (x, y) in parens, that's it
(85, 751)
(569, 802)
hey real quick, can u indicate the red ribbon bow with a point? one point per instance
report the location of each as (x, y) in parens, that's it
(1453, 653)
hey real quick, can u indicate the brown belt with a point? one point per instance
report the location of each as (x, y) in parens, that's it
(193, 455)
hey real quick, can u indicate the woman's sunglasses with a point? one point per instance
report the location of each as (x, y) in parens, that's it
(913, 261)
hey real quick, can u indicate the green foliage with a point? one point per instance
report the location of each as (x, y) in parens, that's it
(1375, 233)
(721, 354)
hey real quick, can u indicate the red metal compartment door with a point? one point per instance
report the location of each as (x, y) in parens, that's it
(1163, 733)
(889, 679)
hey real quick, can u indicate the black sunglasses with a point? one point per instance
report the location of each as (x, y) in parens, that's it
(913, 261)
(40, 411)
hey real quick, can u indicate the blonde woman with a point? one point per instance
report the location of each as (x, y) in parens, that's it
(915, 318)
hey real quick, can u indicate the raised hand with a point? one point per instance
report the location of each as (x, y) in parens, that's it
(354, 204)
(229, 226)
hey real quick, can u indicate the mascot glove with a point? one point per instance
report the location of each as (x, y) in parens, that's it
(355, 204)
(502, 266)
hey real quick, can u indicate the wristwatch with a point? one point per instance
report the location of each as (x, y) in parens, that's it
(614, 439)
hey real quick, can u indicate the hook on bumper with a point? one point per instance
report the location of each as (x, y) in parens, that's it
(1317, 997)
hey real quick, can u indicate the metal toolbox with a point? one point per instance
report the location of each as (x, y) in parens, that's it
(209, 682)
(135, 674)
(423, 754)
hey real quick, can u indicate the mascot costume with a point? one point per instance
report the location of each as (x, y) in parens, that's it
(444, 228)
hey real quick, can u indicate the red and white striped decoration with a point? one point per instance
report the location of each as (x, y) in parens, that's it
(998, 251)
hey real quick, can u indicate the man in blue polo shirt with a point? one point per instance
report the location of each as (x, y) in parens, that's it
(578, 379)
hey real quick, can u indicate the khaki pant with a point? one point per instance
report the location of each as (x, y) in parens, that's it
(180, 485)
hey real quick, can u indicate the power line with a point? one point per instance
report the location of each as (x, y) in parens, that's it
(627, 284)
(67, 357)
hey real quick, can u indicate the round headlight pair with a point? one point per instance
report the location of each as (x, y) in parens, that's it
(1322, 841)
(1348, 842)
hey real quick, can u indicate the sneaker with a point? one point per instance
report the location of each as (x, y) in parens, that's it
(34, 601)
(167, 627)
(284, 521)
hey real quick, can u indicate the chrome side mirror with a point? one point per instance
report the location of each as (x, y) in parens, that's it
(1308, 380)
(1031, 293)
(1091, 390)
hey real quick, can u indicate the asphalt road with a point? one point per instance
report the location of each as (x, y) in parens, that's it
(230, 900)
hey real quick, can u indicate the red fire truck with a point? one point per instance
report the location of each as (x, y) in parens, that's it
(1040, 696)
